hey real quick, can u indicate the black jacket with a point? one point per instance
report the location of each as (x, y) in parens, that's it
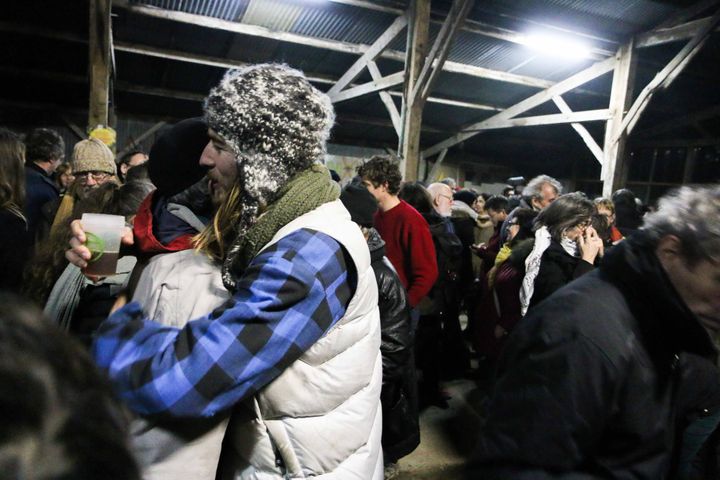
(14, 252)
(401, 431)
(557, 269)
(39, 190)
(445, 293)
(587, 381)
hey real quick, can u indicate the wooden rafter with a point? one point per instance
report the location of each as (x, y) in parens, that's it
(440, 50)
(370, 54)
(333, 45)
(665, 77)
(533, 101)
(580, 129)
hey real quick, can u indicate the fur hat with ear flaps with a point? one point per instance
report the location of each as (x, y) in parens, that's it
(277, 125)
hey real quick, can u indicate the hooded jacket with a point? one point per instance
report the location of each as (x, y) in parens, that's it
(177, 285)
(587, 382)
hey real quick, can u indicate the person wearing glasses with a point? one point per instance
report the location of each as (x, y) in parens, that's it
(566, 247)
(94, 165)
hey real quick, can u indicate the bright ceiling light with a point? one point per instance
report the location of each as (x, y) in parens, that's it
(557, 46)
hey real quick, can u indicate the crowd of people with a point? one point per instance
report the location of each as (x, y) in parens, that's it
(267, 320)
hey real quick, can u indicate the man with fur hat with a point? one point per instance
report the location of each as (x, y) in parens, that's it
(295, 351)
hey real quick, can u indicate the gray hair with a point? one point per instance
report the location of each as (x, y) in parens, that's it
(692, 214)
(534, 187)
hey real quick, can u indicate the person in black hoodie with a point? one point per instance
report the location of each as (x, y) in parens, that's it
(401, 431)
(588, 382)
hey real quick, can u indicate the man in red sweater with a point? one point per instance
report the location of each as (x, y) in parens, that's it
(408, 243)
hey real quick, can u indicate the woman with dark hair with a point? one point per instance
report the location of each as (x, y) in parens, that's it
(14, 239)
(64, 177)
(627, 214)
(566, 247)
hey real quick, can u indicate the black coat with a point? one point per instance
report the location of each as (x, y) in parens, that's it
(557, 269)
(39, 190)
(14, 252)
(401, 430)
(586, 382)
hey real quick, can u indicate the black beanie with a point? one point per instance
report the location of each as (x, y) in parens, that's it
(360, 203)
(465, 196)
(174, 163)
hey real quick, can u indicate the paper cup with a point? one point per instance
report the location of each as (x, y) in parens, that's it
(103, 233)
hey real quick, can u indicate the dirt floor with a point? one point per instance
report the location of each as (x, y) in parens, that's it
(446, 436)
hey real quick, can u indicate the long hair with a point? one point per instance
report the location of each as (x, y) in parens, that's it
(219, 233)
(12, 172)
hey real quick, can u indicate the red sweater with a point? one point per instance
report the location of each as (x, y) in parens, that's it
(409, 247)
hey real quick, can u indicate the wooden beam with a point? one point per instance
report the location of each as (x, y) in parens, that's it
(581, 130)
(671, 34)
(533, 101)
(436, 166)
(72, 126)
(620, 99)
(417, 48)
(99, 62)
(687, 13)
(333, 45)
(370, 54)
(682, 121)
(142, 137)
(375, 86)
(539, 120)
(219, 62)
(690, 162)
(664, 77)
(440, 50)
(676, 142)
(386, 99)
(476, 27)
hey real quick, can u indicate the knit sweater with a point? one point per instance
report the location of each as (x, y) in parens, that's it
(409, 247)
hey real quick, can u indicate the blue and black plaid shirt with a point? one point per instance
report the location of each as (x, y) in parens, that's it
(288, 298)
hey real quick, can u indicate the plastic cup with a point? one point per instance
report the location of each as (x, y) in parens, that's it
(103, 233)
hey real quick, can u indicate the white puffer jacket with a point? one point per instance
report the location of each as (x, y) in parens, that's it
(175, 288)
(321, 417)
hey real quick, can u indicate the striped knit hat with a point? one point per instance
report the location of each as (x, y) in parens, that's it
(93, 155)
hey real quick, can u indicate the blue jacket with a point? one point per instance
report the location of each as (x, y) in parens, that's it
(39, 190)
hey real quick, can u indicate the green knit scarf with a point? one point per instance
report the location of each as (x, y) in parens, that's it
(303, 193)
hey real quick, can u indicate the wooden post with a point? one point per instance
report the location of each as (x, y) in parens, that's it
(620, 101)
(99, 62)
(417, 49)
(690, 162)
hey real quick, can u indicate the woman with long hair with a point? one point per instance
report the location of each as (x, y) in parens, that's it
(566, 247)
(14, 237)
(64, 177)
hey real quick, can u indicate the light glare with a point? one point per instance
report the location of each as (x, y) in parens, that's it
(556, 46)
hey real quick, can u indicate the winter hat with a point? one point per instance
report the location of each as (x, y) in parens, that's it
(92, 155)
(360, 203)
(174, 157)
(275, 122)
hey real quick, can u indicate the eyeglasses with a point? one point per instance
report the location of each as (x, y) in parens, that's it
(82, 177)
(584, 224)
(445, 196)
